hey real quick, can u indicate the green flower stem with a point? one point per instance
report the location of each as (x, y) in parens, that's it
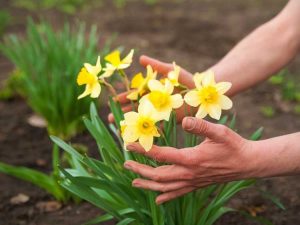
(55, 160)
(125, 78)
(110, 88)
(163, 136)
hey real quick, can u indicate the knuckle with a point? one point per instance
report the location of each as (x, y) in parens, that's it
(223, 130)
(201, 126)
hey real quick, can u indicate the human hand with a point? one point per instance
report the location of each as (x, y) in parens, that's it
(222, 157)
(185, 78)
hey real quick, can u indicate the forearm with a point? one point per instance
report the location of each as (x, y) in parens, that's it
(277, 156)
(265, 51)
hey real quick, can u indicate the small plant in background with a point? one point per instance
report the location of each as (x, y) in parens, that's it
(47, 64)
(267, 111)
(107, 185)
(5, 19)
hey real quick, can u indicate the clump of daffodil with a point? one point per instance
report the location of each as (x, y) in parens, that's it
(114, 62)
(161, 98)
(209, 95)
(140, 126)
(88, 76)
(139, 83)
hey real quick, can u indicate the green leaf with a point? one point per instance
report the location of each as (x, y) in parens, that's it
(44, 181)
(257, 134)
(126, 221)
(273, 198)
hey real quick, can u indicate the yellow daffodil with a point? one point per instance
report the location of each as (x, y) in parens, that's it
(162, 99)
(116, 63)
(139, 83)
(209, 95)
(140, 126)
(89, 76)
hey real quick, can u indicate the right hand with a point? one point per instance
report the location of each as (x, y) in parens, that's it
(185, 78)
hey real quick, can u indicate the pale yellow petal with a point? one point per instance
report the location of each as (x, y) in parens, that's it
(137, 80)
(198, 77)
(146, 108)
(201, 113)
(96, 90)
(94, 70)
(155, 85)
(169, 87)
(192, 98)
(130, 134)
(128, 59)
(176, 101)
(225, 102)
(208, 78)
(146, 142)
(223, 87)
(131, 118)
(86, 92)
(133, 95)
(151, 74)
(162, 115)
(214, 111)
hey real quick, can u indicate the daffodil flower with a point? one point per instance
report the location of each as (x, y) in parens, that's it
(139, 83)
(88, 76)
(162, 99)
(209, 95)
(116, 63)
(140, 126)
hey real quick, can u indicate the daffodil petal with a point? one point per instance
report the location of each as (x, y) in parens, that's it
(162, 115)
(223, 87)
(169, 87)
(146, 108)
(130, 118)
(128, 59)
(198, 77)
(83, 77)
(225, 102)
(130, 134)
(176, 101)
(114, 58)
(96, 90)
(133, 95)
(214, 111)
(155, 85)
(94, 70)
(86, 92)
(137, 80)
(146, 142)
(202, 112)
(208, 78)
(192, 98)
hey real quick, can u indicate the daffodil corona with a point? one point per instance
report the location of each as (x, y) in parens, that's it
(88, 76)
(140, 126)
(161, 98)
(140, 84)
(209, 95)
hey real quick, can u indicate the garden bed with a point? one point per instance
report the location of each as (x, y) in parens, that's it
(195, 34)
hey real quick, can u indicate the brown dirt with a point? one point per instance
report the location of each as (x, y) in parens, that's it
(195, 34)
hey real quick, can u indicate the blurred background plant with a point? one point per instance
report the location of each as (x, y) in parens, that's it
(68, 6)
(289, 88)
(5, 19)
(46, 66)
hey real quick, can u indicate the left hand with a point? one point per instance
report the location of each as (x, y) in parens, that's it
(222, 157)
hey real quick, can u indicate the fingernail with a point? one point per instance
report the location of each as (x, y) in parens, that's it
(158, 202)
(136, 183)
(189, 123)
(130, 147)
(127, 165)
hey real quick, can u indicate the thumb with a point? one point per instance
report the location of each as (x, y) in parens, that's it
(216, 132)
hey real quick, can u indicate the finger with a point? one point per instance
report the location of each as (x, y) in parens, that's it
(202, 127)
(122, 98)
(163, 68)
(161, 174)
(159, 186)
(160, 67)
(173, 194)
(162, 154)
(125, 109)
